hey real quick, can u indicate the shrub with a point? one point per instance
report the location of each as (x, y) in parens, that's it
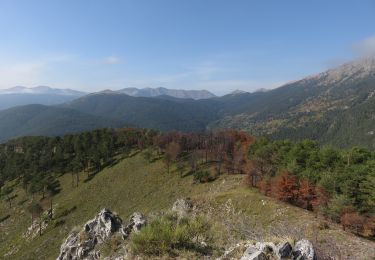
(165, 235)
(202, 176)
(352, 221)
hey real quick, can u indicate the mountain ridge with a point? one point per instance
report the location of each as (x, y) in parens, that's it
(307, 108)
(160, 91)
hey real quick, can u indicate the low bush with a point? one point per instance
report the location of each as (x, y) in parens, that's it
(202, 176)
(167, 234)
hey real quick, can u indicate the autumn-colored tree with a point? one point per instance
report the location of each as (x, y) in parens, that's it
(264, 186)
(218, 156)
(321, 199)
(306, 194)
(285, 187)
(353, 221)
(239, 159)
(369, 227)
(173, 149)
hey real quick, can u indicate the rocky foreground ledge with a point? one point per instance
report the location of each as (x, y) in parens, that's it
(302, 250)
(83, 244)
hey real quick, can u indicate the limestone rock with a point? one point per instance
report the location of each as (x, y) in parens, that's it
(103, 225)
(81, 245)
(137, 221)
(304, 250)
(252, 253)
(285, 250)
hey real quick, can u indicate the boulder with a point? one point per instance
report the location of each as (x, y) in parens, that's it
(253, 253)
(304, 250)
(103, 225)
(285, 250)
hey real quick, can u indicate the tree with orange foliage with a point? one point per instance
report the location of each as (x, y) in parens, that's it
(264, 186)
(172, 151)
(285, 187)
(239, 159)
(353, 221)
(321, 199)
(369, 227)
(306, 194)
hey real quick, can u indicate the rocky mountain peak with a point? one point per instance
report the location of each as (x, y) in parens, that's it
(354, 70)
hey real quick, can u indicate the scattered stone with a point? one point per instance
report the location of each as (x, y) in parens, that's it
(33, 231)
(182, 207)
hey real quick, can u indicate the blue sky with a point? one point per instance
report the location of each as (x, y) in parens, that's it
(193, 44)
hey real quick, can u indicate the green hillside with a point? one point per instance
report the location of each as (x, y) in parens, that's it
(37, 120)
(133, 184)
(162, 113)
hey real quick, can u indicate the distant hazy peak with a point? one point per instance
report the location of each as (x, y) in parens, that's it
(41, 90)
(237, 92)
(177, 93)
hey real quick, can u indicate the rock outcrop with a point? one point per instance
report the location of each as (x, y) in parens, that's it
(137, 221)
(81, 245)
(303, 250)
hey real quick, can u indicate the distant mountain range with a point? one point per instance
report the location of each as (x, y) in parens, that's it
(41, 90)
(335, 107)
(43, 95)
(18, 96)
(177, 93)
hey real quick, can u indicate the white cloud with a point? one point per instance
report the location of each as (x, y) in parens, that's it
(365, 48)
(111, 60)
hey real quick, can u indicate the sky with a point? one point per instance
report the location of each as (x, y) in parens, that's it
(218, 45)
